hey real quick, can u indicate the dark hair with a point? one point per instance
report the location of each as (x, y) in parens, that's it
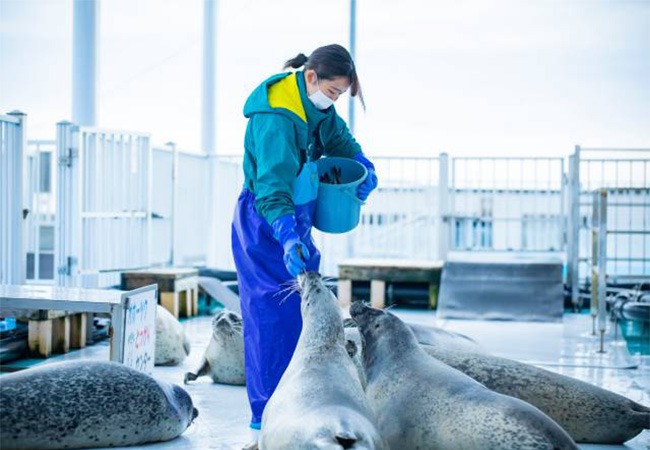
(329, 62)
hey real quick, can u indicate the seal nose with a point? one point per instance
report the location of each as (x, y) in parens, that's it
(195, 413)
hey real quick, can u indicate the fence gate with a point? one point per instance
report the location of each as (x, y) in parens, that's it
(625, 175)
(40, 196)
(507, 204)
(104, 204)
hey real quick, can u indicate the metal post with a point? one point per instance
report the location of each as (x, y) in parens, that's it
(66, 229)
(595, 248)
(85, 57)
(353, 51)
(444, 234)
(208, 96)
(602, 267)
(15, 206)
(172, 146)
(574, 201)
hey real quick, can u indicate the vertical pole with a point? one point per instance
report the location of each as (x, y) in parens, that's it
(353, 51)
(595, 248)
(149, 193)
(68, 207)
(575, 227)
(208, 96)
(85, 57)
(172, 256)
(443, 207)
(17, 188)
(602, 267)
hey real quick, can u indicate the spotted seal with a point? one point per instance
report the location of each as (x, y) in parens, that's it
(444, 338)
(81, 404)
(319, 402)
(423, 403)
(588, 413)
(172, 345)
(224, 356)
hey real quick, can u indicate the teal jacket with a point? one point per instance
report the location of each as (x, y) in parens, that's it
(284, 129)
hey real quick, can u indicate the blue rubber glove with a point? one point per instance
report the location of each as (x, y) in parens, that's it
(370, 183)
(296, 254)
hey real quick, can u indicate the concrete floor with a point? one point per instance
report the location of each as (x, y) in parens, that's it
(566, 348)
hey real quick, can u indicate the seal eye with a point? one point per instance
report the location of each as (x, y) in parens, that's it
(376, 326)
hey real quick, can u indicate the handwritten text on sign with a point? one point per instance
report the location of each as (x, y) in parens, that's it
(140, 332)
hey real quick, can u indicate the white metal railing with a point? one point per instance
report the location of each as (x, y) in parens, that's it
(507, 204)
(229, 179)
(104, 199)
(191, 208)
(12, 153)
(107, 219)
(162, 205)
(40, 198)
(625, 174)
(399, 219)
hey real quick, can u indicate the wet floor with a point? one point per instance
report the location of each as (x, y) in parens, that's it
(567, 348)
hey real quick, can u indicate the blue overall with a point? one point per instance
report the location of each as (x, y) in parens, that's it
(271, 319)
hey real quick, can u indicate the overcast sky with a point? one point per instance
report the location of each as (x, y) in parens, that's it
(468, 77)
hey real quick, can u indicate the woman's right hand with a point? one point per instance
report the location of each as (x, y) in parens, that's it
(296, 256)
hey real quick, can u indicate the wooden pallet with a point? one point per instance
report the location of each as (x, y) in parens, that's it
(381, 271)
(57, 334)
(178, 288)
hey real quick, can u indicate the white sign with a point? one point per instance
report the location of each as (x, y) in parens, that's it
(140, 331)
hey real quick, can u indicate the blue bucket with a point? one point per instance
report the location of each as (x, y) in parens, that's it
(338, 208)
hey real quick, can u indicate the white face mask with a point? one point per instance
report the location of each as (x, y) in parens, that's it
(320, 100)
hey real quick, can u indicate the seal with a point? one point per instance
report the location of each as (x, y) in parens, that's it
(443, 338)
(81, 404)
(588, 413)
(354, 347)
(319, 402)
(423, 403)
(224, 357)
(172, 346)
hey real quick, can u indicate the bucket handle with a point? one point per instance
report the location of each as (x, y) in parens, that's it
(354, 196)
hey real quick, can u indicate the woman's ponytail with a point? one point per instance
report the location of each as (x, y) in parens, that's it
(296, 62)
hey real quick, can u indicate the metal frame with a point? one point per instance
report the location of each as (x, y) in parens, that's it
(113, 302)
(35, 200)
(622, 172)
(104, 197)
(483, 182)
(12, 155)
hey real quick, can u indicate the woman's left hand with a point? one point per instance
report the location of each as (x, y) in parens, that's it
(369, 185)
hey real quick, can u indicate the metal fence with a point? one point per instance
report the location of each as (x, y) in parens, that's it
(625, 174)
(12, 150)
(507, 204)
(402, 219)
(104, 204)
(121, 205)
(40, 200)
(191, 208)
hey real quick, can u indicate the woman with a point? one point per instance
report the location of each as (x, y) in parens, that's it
(291, 123)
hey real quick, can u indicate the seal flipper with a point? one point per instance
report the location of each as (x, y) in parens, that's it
(203, 370)
(641, 415)
(186, 346)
